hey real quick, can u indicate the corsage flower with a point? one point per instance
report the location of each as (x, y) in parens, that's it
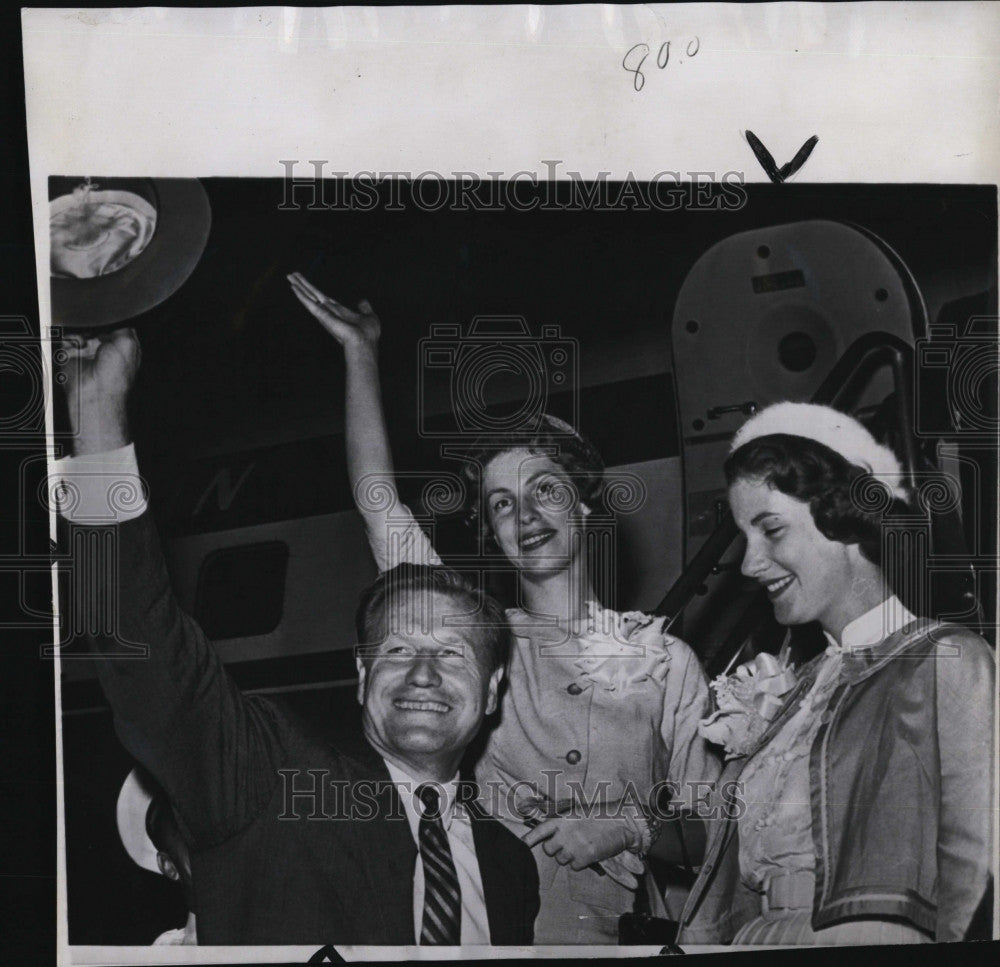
(747, 701)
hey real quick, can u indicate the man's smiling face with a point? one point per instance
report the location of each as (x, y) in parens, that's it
(427, 685)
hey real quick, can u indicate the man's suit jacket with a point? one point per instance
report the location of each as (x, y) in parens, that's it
(270, 866)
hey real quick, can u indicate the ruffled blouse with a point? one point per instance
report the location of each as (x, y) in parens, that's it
(607, 714)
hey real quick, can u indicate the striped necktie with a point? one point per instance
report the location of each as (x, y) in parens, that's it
(442, 898)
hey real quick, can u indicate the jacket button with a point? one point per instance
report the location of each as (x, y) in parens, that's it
(573, 756)
(573, 688)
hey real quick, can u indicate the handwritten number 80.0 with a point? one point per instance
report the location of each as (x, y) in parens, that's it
(662, 59)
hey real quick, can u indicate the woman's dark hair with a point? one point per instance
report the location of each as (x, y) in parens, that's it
(847, 503)
(550, 437)
(488, 621)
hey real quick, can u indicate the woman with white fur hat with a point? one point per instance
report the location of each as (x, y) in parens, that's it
(863, 810)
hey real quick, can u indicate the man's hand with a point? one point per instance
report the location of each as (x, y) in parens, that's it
(97, 374)
(353, 330)
(578, 841)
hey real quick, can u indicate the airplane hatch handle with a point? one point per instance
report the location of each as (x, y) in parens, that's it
(749, 408)
(722, 567)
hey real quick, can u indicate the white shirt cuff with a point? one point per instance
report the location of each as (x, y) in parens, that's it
(98, 488)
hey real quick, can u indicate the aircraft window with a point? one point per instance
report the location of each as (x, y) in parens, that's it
(797, 351)
(241, 590)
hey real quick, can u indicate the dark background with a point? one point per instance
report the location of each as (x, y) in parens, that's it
(233, 358)
(27, 790)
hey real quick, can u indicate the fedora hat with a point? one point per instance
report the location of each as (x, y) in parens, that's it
(120, 246)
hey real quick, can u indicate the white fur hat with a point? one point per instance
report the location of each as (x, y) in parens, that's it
(838, 431)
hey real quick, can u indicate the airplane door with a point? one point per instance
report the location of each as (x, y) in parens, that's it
(763, 316)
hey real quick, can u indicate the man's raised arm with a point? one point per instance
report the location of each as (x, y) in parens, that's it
(175, 708)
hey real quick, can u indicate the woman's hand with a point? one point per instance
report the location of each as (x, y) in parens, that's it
(350, 328)
(578, 841)
(366, 440)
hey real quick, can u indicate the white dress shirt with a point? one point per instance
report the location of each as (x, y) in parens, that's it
(475, 927)
(99, 488)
